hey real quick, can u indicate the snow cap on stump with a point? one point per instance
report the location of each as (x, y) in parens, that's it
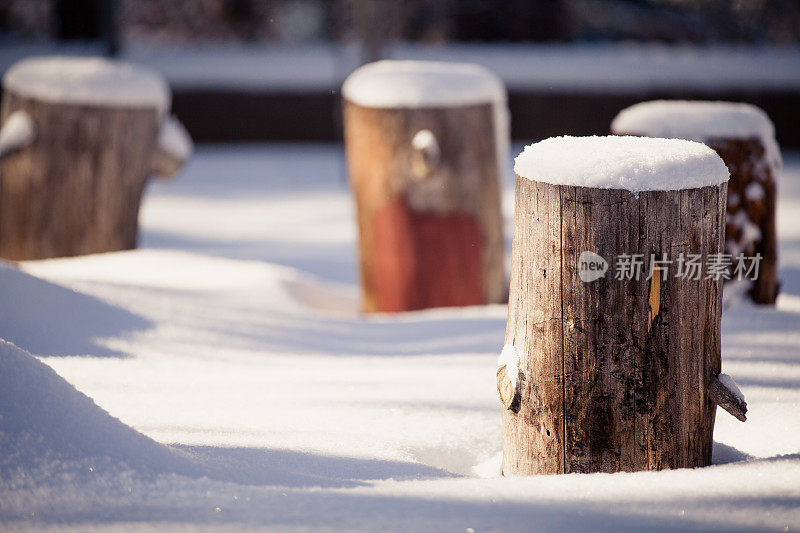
(631, 163)
(88, 81)
(393, 84)
(390, 84)
(695, 120)
(699, 121)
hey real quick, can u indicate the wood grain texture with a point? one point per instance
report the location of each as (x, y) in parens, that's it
(76, 190)
(616, 374)
(433, 238)
(533, 435)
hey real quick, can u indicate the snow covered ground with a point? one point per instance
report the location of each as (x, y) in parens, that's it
(250, 393)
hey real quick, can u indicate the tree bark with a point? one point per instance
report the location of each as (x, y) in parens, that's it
(751, 202)
(614, 373)
(76, 188)
(426, 187)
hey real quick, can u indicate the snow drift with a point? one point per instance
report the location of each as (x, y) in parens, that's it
(43, 420)
(47, 319)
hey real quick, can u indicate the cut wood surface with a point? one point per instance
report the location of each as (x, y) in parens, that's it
(77, 187)
(426, 186)
(614, 373)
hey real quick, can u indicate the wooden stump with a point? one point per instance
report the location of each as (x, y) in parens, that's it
(610, 374)
(752, 198)
(426, 184)
(744, 137)
(74, 185)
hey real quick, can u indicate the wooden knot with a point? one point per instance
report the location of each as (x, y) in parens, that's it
(507, 389)
(508, 382)
(425, 154)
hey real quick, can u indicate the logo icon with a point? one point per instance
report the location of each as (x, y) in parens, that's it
(591, 266)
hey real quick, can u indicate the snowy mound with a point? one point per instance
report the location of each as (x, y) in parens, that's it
(632, 163)
(388, 84)
(88, 81)
(44, 419)
(48, 319)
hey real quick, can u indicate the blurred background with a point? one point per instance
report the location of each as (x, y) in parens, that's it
(267, 70)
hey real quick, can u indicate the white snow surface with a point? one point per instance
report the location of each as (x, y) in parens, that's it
(754, 192)
(221, 378)
(694, 119)
(509, 358)
(17, 132)
(622, 162)
(88, 81)
(174, 139)
(731, 385)
(700, 121)
(398, 84)
(425, 140)
(44, 417)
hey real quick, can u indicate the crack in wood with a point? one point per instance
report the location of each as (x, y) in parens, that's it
(655, 296)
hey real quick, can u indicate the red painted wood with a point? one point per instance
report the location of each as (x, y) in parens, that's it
(425, 260)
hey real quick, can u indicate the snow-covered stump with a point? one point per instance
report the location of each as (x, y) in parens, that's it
(744, 136)
(426, 143)
(79, 138)
(606, 368)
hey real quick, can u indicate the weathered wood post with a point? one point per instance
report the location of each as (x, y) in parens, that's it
(79, 138)
(426, 144)
(605, 367)
(743, 135)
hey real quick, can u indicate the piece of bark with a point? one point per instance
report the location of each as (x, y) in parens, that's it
(727, 399)
(614, 372)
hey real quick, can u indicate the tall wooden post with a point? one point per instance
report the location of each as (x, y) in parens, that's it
(607, 368)
(743, 135)
(79, 138)
(426, 144)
